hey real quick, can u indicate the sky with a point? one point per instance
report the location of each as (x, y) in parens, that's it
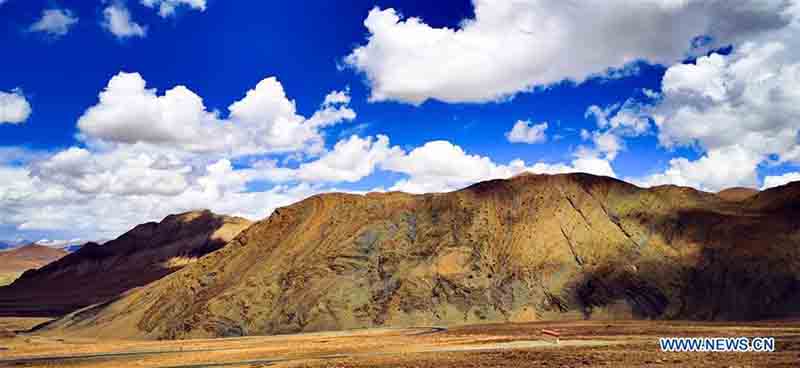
(115, 113)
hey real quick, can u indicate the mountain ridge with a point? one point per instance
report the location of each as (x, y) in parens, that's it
(95, 273)
(529, 248)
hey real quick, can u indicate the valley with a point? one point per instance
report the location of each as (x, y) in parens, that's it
(583, 344)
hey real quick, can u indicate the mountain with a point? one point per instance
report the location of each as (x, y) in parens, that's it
(533, 247)
(28, 257)
(96, 273)
(10, 244)
(737, 193)
(17, 260)
(73, 248)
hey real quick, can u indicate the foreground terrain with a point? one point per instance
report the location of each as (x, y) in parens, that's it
(584, 344)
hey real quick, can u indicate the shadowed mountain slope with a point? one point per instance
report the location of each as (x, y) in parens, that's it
(532, 247)
(95, 273)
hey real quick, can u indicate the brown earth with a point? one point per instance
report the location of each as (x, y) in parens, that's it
(737, 194)
(583, 344)
(28, 257)
(535, 247)
(98, 273)
(16, 261)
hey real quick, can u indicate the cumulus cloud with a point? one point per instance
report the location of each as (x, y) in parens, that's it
(748, 99)
(336, 98)
(14, 107)
(350, 161)
(778, 180)
(117, 20)
(630, 118)
(440, 166)
(263, 121)
(524, 131)
(122, 171)
(718, 169)
(167, 8)
(513, 46)
(145, 154)
(741, 110)
(33, 203)
(55, 22)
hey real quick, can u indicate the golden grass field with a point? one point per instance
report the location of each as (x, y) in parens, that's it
(584, 344)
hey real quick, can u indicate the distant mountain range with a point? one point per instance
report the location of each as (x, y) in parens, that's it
(17, 260)
(69, 246)
(96, 273)
(10, 244)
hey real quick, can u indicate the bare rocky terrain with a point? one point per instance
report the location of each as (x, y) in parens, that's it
(532, 248)
(98, 273)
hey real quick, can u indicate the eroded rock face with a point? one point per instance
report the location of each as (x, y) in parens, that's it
(533, 247)
(96, 273)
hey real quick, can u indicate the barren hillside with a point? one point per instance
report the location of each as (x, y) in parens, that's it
(95, 273)
(530, 248)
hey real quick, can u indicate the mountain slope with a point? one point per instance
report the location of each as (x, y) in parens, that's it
(15, 261)
(737, 194)
(28, 257)
(532, 247)
(96, 273)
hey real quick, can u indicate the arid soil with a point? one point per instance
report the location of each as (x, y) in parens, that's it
(535, 247)
(583, 344)
(16, 261)
(96, 273)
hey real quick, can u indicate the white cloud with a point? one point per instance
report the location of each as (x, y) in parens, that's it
(741, 109)
(264, 121)
(748, 98)
(718, 169)
(167, 8)
(350, 161)
(14, 107)
(117, 20)
(629, 119)
(145, 155)
(512, 46)
(776, 181)
(121, 199)
(337, 98)
(608, 144)
(123, 171)
(440, 166)
(55, 22)
(524, 131)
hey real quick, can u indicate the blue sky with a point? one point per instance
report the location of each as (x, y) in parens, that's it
(428, 95)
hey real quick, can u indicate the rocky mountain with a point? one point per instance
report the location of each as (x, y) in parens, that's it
(737, 193)
(530, 248)
(96, 273)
